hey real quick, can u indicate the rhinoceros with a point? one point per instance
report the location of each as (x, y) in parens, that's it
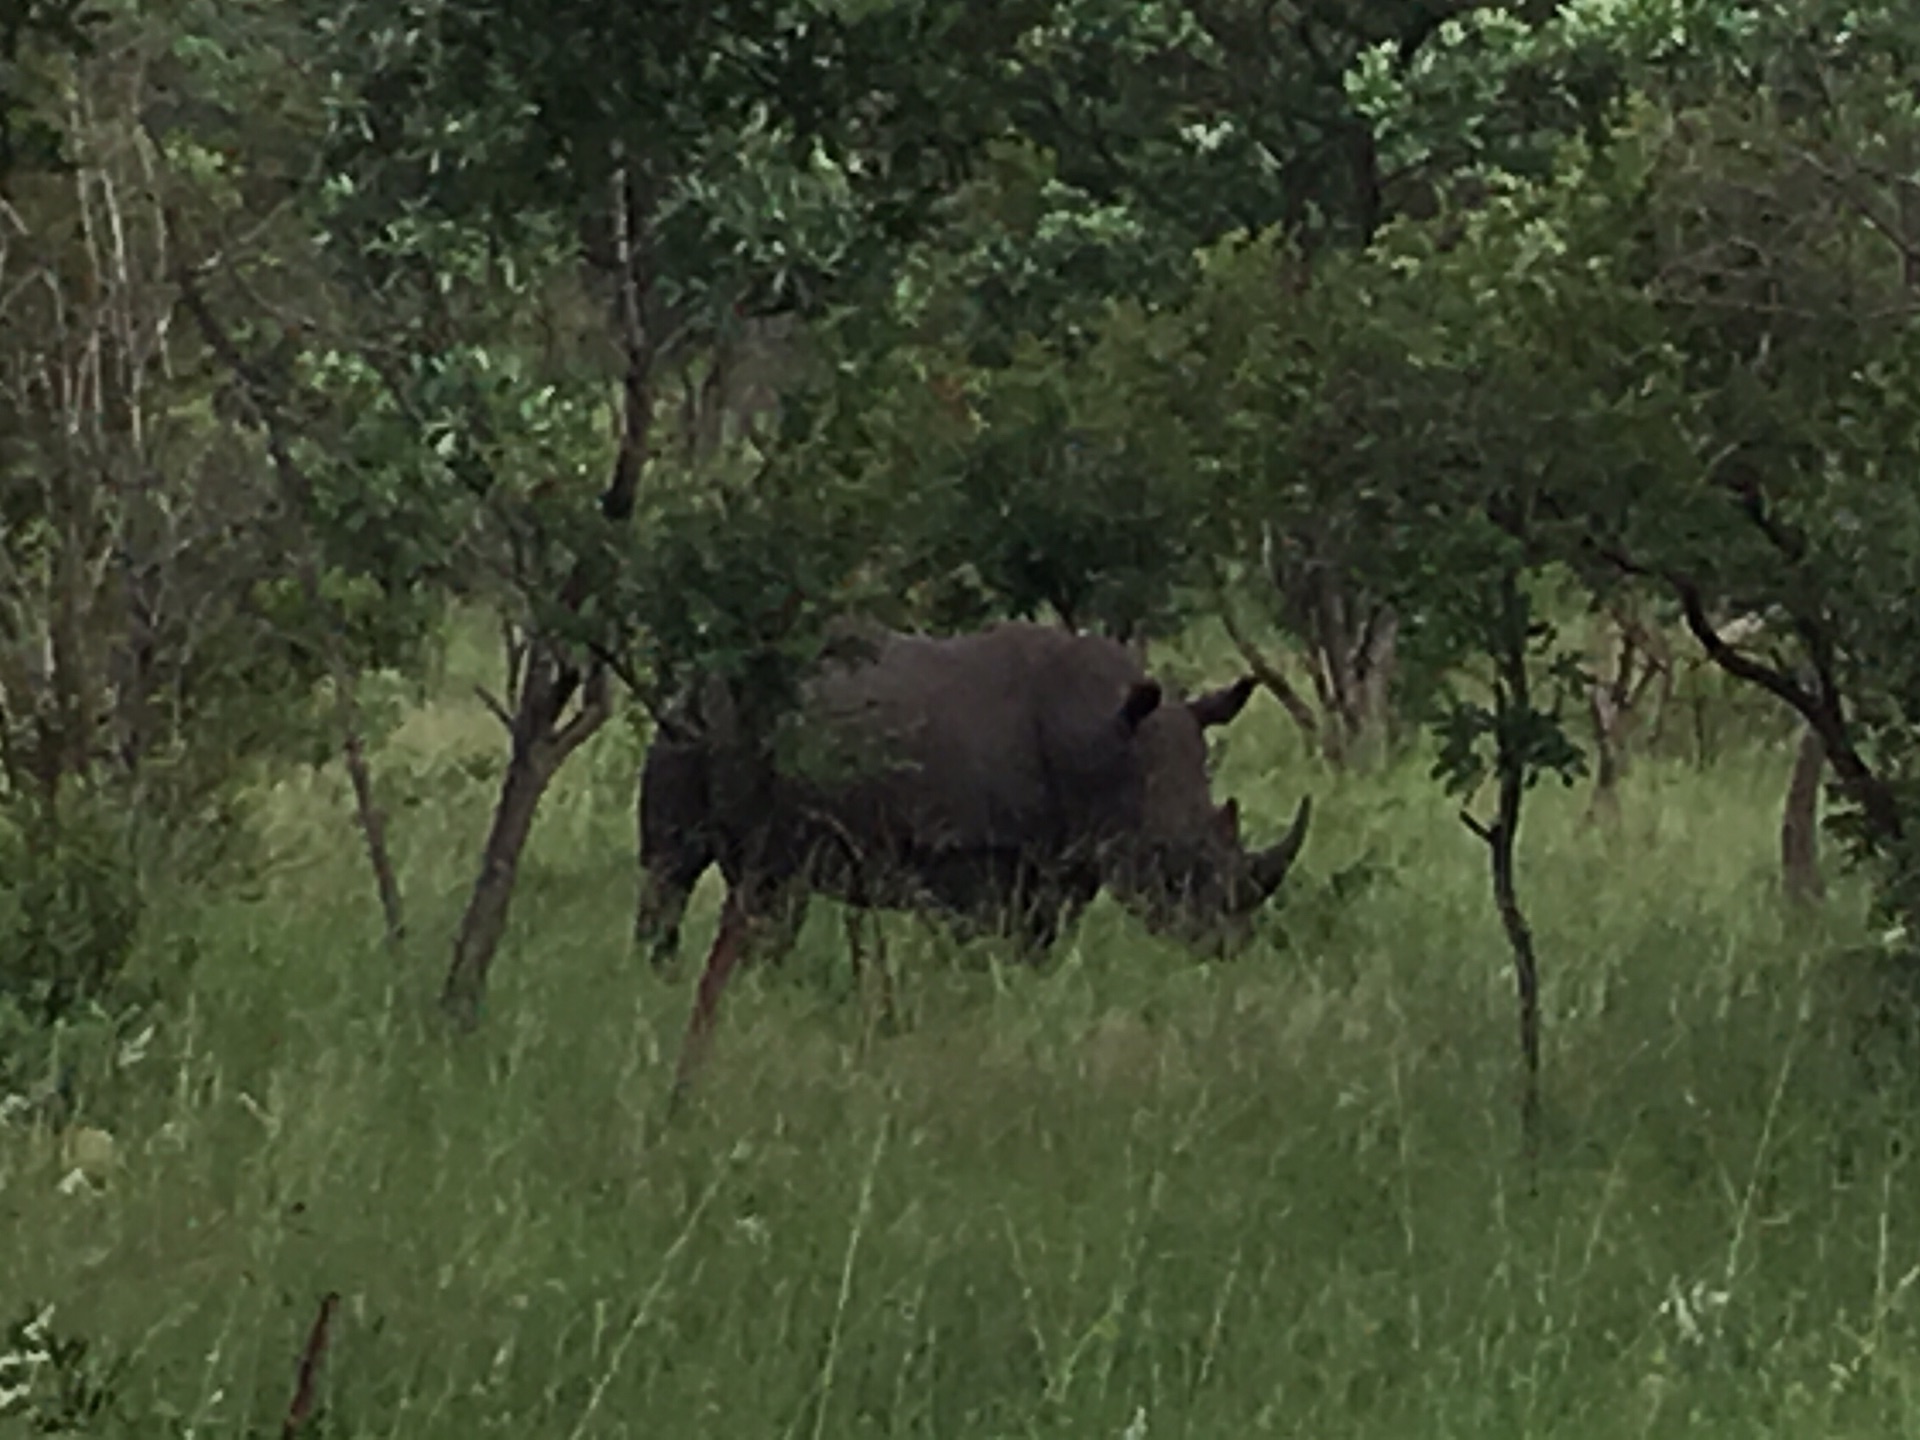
(1001, 778)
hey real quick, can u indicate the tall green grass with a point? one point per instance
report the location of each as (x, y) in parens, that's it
(1127, 1195)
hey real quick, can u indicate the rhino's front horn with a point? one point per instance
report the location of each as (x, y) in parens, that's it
(1269, 867)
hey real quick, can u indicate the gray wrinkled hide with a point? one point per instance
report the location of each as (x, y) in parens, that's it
(1001, 777)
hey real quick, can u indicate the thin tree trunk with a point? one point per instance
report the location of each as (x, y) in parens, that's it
(549, 680)
(373, 824)
(71, 713)
(1502, 837)
(313, 1354)
(1333, 719)
(1616, 703)
(1609, 703)
(1376, 685)
(1605, 803)
(540, 747)
(1800, 876)
(485, 920)
(133, 670)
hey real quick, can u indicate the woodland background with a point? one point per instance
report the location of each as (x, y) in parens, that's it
(401, 401)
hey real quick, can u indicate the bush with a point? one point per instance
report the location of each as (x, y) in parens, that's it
(70, 906)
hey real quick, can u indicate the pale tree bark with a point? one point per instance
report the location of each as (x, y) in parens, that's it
(82, 321)
(1635, 659)
(1348, 639)
(1349, 669)
(1271, 676)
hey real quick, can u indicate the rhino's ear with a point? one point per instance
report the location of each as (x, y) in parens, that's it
(1217, 707)
(1142, 700)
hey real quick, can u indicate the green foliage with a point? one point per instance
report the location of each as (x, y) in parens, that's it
(36, 36)
(1206, 118)
(1061, 501)
(1664, 339)
(70, 906)
(740, 580)
(1479, 739)
(1497, 92)
(174, 607)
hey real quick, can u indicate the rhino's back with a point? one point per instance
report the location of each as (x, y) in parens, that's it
(993, 740)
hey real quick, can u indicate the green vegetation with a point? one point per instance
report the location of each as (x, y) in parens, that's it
(1529, 391)
(1281, 1194)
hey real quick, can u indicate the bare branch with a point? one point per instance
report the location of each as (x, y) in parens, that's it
(1738, 663)
(1844, 186)
(1484, 831)
(1266, 672)
(617, 664)
(596, 704)
(494, 707)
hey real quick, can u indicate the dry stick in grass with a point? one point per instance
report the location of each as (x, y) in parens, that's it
(301, 1410)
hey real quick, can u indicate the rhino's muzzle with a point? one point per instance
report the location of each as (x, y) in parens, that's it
(1267, 868)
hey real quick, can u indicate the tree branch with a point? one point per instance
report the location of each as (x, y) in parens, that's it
(492, 702)
(595, 706)
(1484, 831)
(1844, 186)
(1736, 662)
(1266, 672)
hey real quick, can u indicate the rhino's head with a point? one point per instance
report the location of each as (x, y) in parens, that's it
(1184, 871)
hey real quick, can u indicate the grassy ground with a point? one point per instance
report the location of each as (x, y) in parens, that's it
(1127, 1196)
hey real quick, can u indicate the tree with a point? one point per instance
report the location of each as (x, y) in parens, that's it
(687, 166)
(155, 641)
(1745, 178)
